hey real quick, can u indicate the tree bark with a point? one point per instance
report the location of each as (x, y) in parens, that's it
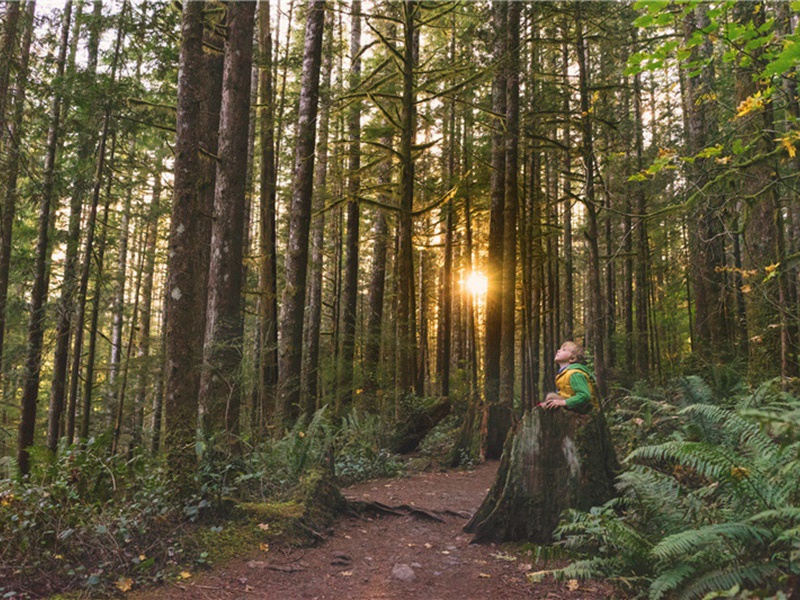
(185, 304)
(30, 391)
(763, 226)
(406, 349)
(290, 350)
(70, 284)
(350, 288)
(706, 241)
(268, 279)
(98, 257)
(143, 358)
(499, 426)
(494, 263)
(310, 374)
(12, 163)
(220, 385)
(554, 460)
(8, 47)
(595, 329)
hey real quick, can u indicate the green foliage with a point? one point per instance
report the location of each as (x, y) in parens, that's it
(85, 520)
(711, 504)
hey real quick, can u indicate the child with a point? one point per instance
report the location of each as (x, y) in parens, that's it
(575, 385)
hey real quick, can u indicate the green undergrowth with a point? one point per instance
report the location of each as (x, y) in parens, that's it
(709, 499)
(93, 524)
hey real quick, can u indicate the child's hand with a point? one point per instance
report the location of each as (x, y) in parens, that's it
(553, 400)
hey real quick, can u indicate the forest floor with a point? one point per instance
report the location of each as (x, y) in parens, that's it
(383, 556)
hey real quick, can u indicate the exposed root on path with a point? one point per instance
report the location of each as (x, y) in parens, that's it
(357, 507)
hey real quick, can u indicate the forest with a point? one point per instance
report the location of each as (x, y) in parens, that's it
(258, 251)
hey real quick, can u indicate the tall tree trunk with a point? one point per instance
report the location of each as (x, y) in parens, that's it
(8, 47)
(350, 289)
(494, 263)
(499, 426)
(310, 374)
(290, 351)
(210, 108)
(406, 338)
(118, 299)
(268, 279)
(446, 328)
(706, 240)
(30, 391)
(642, 284)
(144, 378)
(185, 304)
(220, 386)
(763, 227)
(69, 287)
(568, 330)
(11, 162)
(125, 367)
(595, 328)
(88, 254)
(88, 383)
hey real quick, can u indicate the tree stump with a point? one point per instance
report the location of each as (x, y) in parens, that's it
(552, 461)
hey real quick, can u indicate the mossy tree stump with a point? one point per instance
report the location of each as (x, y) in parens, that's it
(552, 460)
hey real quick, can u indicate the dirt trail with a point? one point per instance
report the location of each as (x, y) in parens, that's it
(389, 557)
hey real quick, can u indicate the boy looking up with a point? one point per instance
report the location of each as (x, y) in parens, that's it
(575, 386)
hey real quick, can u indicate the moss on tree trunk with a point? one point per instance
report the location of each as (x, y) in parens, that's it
(552, 461)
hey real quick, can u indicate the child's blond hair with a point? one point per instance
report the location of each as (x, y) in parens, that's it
(578, 353)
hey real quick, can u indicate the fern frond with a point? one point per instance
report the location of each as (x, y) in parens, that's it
(590, 568)
(708, 460)
(754, 575)
(749, 434)
(785, 513)
(695, 390)
(671, 579)
(686, 542)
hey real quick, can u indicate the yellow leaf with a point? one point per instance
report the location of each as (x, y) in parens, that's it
(771, 268)
(746, 289)
(572, 585)
(750, 104)
(723, 160)
(263, 526)
(265, 547)
(142, 558)
(301, 434)
(124, 584)
(346, 573)
(786, 142)
(484, 576)
(185, 575)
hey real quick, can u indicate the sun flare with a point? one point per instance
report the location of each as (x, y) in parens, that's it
(476, 283)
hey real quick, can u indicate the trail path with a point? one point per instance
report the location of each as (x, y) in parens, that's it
(383, 556)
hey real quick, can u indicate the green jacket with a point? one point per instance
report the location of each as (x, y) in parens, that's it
(576, 384)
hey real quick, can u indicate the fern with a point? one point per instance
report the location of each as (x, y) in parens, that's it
(671, 579)
(590, 568)
(686, 542)
(707, 460)
(757, 575)
(744, 431)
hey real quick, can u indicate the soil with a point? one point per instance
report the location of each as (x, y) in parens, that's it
(373, 555)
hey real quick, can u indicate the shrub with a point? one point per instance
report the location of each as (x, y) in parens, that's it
(710, 504)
